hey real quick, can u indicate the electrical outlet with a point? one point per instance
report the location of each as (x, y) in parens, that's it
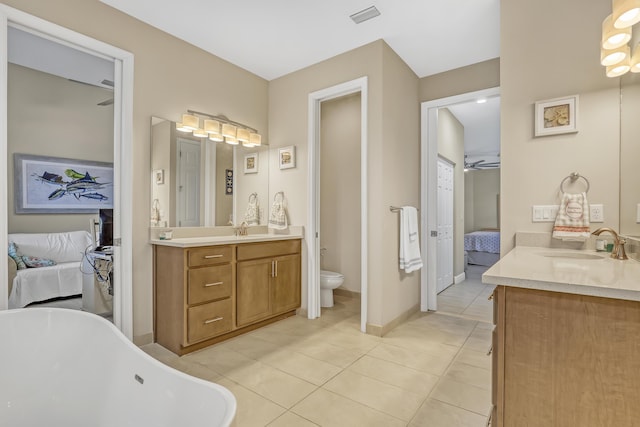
(596, 213)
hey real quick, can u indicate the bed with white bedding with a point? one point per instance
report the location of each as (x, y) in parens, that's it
(482, 247)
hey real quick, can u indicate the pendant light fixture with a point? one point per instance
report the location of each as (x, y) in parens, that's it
(614, 56)
(219, 129)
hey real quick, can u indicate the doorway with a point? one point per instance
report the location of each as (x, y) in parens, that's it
(188, 183)
(122, 149)
(313, 231)
(430, 112)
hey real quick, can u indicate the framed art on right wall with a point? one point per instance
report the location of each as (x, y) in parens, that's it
(556, 116)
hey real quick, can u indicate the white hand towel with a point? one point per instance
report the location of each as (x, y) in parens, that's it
(572, 221)
(410, 259)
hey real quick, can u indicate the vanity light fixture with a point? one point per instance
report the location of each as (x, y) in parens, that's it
(625, 13)
(617, 70)
(635, 60)
(613, 37)
(219, 129)
(614, 56)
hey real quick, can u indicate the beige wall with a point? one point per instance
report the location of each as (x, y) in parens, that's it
(245, 184)
(481, 188)
(161, 160)
(534, 66)
(165, 87)
(393, 160)
(340, 188)
(471, 78)
(52, 116)
(451, 147)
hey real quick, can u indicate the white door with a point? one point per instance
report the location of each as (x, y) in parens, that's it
(444, 246)
(188, 209)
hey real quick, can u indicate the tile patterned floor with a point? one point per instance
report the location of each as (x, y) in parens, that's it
(431, 371)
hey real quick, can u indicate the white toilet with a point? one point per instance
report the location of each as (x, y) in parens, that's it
(329, 280)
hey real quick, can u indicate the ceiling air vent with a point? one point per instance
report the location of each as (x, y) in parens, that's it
(365, 14)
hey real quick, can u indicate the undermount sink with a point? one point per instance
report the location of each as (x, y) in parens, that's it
(571, 255)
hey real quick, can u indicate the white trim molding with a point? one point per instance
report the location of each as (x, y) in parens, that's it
(428, 186)
(313, 230)
(123, 149)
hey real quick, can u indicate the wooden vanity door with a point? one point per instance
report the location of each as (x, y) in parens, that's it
(286, 284)
(252, 291)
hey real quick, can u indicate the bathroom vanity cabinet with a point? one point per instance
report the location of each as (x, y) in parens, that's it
(206, 294)
(565, 351)
(268, 280)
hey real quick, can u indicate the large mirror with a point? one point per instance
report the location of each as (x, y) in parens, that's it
(630, 155)
(196, 182)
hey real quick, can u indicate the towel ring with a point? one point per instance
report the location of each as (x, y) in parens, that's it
(574, 177)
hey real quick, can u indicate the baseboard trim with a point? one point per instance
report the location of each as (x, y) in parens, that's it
(380, 331)
(346, 293)
(145, 339)
(459, 278)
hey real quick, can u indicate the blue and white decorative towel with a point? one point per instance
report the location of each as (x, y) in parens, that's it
(572, 222)
(410, 259)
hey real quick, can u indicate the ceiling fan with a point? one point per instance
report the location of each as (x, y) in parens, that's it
(480, 164)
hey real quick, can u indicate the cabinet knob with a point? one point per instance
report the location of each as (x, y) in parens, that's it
(217, 319)
(490, 351)
(490, 297)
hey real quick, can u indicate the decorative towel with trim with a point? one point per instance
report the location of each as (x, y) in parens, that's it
(410, 259)
(252, 215)
(278, 217)
(572, 222)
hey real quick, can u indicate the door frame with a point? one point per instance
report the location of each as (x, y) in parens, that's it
(313, 230)
(428, 187)
(123, 151)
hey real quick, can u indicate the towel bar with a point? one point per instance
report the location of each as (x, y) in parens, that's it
(574, 177)
(398, 209)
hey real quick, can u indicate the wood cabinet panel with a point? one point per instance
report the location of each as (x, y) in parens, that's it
(209, 283)
(286, 284)
(210, 255)
(569, 360)
(208, 320)
(268, 249)
(253, 291)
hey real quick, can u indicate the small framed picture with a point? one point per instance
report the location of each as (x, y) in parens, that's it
(251, 163)
(287, 157)
(158, 176)
(556, 116)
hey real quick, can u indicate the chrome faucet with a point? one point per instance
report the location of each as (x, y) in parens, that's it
(618, 243)
(242, 229)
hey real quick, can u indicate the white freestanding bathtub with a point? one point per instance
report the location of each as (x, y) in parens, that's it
(69, 368)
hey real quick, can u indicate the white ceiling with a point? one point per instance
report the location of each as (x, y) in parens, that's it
(481, 128)
(276, 37)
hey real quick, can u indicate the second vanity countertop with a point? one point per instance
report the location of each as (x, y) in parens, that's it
(565, 270)
(195, 241)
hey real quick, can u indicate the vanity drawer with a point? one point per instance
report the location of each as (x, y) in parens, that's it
(209, 283)
(210, 255)
(268, 250)
(208, 320)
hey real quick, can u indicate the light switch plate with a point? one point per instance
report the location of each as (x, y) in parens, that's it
(638, 214)
(596, 213)
(544, 213)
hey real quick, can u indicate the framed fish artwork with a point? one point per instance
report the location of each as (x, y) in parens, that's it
(45, 184)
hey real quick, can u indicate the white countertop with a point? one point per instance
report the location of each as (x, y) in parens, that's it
(542, 268)
(190, 242)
